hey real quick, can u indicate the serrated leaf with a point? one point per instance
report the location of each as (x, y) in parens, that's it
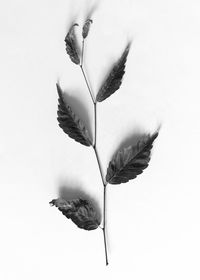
(86, 28)
(71, 45)
(70, 123)
(131, 161)
(114, 79)
(80, 211)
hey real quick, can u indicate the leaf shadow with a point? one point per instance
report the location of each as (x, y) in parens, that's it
(131, 139)
(90, 11)
(76, 191)
(71, 21)
(78, 108)
(112, 62)
(105, 72)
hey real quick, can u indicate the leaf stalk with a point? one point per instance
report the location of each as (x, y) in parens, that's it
(84, 75)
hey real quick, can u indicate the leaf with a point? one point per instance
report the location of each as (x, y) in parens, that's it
(70, 123)
(71, 45)
(131, 161)
(80, 211)
(86, 28)
(114, 79)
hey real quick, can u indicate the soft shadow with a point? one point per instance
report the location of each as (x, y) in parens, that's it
(73, 20)
(112, 62)
(89, 13)
(78, 108)
(75, 191)
(106, 71)
(131, 139)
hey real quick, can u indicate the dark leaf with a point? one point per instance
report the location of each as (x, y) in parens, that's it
(80, 211)
(70, 123)
(131, 161)
(86, 28)
(71, 45)
(114, 79)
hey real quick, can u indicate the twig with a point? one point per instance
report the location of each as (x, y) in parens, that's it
(91, 95)
(82, 52)
(104, 223)
(96, 152)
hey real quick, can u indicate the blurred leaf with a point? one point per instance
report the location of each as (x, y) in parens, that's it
(70, 123)
(131, 161)
(80, 211)
(71, 45)
(86, 28)
(114, 79)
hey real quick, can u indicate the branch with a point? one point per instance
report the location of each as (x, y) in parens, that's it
(96, 152)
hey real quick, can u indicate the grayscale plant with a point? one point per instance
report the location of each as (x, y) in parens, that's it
(126, 164)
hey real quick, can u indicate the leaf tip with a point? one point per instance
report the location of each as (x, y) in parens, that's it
(72, 25)
(154, 135)
(159, 127)
(128, 46)
(59, 90)
(126, 51)
(71, 45)
(52, 202)
(86, 27)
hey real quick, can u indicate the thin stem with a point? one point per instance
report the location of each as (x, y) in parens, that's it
(95, 123)
(96, 152)
(82, 52)
(104, 224)
(99, 164)
(104, 202)
(83, 72)
(91, 95)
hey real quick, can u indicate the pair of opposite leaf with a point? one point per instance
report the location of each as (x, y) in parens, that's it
(71, 42)
(126, 163)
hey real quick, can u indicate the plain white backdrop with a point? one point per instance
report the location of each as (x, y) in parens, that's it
(153, 221)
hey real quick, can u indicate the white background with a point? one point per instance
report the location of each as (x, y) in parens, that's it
(153, 221)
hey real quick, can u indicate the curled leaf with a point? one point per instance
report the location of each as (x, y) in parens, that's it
(86, 28)
(71, 45)
(70, 123)
(80, 211)
(114, 79)
(131, 161)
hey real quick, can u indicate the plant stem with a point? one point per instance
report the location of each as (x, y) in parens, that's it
(104, 223)
(104, 202)
(82, 52)
(96, 152)
(99, 164)
(91, 95)
(83, 72)
(95, 123)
